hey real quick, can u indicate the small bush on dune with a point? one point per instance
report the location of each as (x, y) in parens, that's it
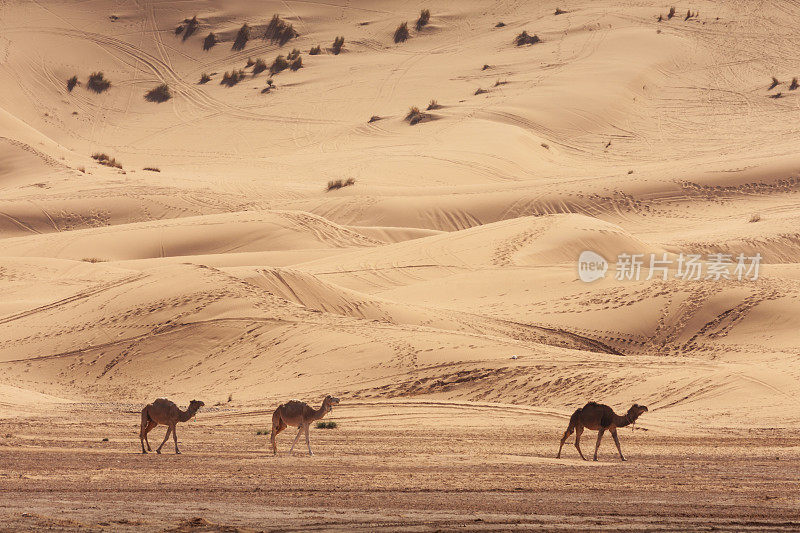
(263, 432)
(338, 184)
(294, 54)
(327, 425)
(338, 43)
(481, 91)
(232, 78)
(280, 64)
(178, 29)
(424, 18)
(433, 105)
(93, 260)
(210, 41)
(374, 118)
(524, 38)
(500, 25)
(158, 94)
(259, 66)
(401, 33)
(152, 169)
(559, 11)
(98, 83)
(104, 159)
(205, 78)
(279, 31)
(794, 85)
(671, 12)
(755, 218)
(315, 50)
(191, 27)
(73, 81)
(297, 64)
(241, 38)
(774, 84)
(415, 116)
(500, 82)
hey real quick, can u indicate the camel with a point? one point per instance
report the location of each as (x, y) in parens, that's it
(163, 411)
(300, 414)
(599, 417)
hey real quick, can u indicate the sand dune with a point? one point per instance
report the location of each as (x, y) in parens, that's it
(440, 284)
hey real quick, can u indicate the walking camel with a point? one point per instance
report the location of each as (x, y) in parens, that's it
(300, 414)
(163, 411)
(599, 417)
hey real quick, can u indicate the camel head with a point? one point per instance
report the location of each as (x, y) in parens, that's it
(636, 411)
(329, 402)
(195, 405)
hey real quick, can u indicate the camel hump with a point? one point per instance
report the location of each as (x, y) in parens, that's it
(591, 404)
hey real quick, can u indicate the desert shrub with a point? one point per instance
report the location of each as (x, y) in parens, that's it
(93, 260)
(401, 33)
(259, 66)
(559, 11)
(113, 18)
(793, 85)
(486, 67)
(500, 25)
(210, 41)
(481, 91)
(280, 64)
(433, 105)
(315, 50)
(327, 425)
(178, 29)
(205, 78)
(338, 184)
(294, 54)
(755, 218)
(776, 95)
(241, 38)
(374, 118)
(73, 81)
(98, 83)
(500, 82)
(297, 64)
(774, 83)
(263, 432)
(671, 12)
(338, 43)
(158, 94)
(279, 31)
(424, 18)
(152, 169)
(191, 27)
(104, 159)
(689, 15)
(524, 38)
(232, 78)
(414, 115)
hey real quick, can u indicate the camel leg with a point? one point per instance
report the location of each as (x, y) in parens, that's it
(148, 429)
(599, 437)
(275, 430)
(175, 438)
(308, 441)
(169, 430)
(567, 433)
(616, 441)
(578, 432)
(296, 439)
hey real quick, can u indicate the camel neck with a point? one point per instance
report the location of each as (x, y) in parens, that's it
(622, 421)
(186, 415)
(320, 413)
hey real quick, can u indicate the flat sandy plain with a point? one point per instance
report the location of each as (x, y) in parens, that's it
(438, 296)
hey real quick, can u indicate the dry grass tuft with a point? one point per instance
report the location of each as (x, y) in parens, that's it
(755, 218)
(327, 425)
(338, 43)
(73, 81)
(259, 66)
(794, 85)
(158, 94)
(315, 50)
(524, 38)
(481, 91)
(500, 25)
(374, 118)
(98, 83)
(205, 78)
(338, 184)
(280, 64)
(241, 38)
(401, 33)
(433, 105)
(93, 260)
(294, 54)
(671, 12)
(191, 27)
(424, 18)
(559, 11)
(279, 31)
(104, 159)
(296, 64)
(152, 169)
(774, 83)
(231, 78)
(210, 41)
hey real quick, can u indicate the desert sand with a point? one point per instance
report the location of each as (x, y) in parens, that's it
(438, 295)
